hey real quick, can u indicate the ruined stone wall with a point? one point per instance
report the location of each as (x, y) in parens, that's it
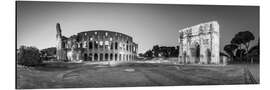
(60, 52)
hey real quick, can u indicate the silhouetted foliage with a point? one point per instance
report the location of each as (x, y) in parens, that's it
(162, 51)
(149, 53)
(240, 52)
(243, 38)
(28, 56)
(230, 50)
(235, 50)
(141, 55)
(223, 54)
(156, 50)
(254, 54)
(48, 53)
(169, 51)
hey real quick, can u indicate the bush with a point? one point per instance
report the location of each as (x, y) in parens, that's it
(28, 56)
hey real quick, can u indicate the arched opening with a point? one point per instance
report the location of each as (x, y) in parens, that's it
(195, 52)
(90, 45)
(111, 45)
(106, 57)
(101, 57)
(111, 57)
(127, 47)
(127, 58)
(120, 58)
(115, 57)
(116, 45)
(95, 57)
(197, 56)
(208, 53)
(85, 57)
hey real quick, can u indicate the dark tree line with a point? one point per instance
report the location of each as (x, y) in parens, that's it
(28, 56)
(161, 51)
(239, 50)
(32, 56)
(48, 53)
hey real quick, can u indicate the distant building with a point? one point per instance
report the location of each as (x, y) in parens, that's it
(96, 45)
(199, 44)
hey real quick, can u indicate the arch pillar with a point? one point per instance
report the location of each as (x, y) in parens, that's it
(98, 58)
(113, 56)
(92, 57)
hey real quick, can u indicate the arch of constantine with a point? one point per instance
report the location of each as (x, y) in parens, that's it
(199, 44)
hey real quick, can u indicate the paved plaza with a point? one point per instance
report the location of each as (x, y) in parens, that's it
(72, 75)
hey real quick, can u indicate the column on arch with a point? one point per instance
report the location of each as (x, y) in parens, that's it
(130, 56)
(92, 58)
(110, 57)
(120, 57)
(98, 58)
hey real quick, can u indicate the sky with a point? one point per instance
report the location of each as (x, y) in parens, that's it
(148, 24)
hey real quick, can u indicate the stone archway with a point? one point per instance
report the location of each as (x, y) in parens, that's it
(185, 57)
(197, 56)
(111, 57)
(96, 57)
(85, 57)
(208, 55)
(115, 57)
(106, 57)
(195, 52)
(101, 57)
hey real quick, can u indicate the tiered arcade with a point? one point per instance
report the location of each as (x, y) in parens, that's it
(96, 45)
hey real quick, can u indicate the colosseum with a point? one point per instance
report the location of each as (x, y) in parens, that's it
(95, 46)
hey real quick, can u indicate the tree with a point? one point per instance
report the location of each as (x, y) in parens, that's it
(164, 50)
(230, 50)
(247, 37)
(141, 55)
(175, 52)
(239, 54)
(156, 50)
(28, 56)
(243, 39)
(148, 53)
(48, 53)
(254, 54)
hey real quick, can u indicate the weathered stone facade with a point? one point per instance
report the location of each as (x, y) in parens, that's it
(199, 44)
(95, 45)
